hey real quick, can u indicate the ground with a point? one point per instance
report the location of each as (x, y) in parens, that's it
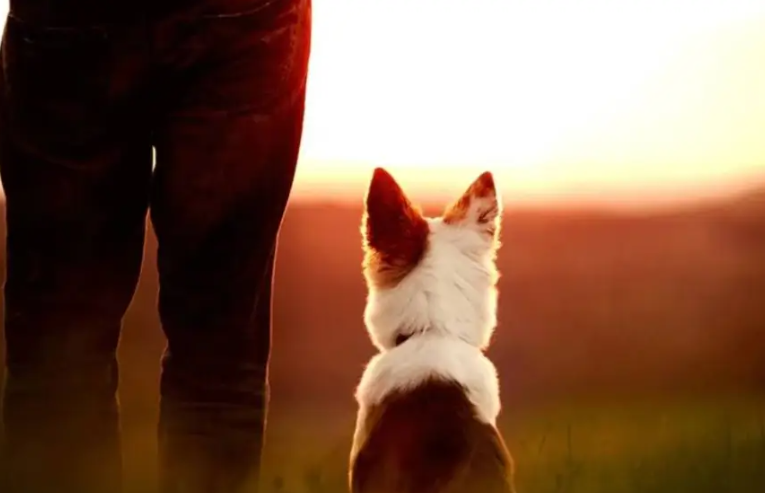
(713, 444)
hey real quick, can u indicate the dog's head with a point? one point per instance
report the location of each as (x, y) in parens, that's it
(430, 274)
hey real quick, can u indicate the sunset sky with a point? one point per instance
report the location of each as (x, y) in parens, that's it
(618, 101)
(594, 100)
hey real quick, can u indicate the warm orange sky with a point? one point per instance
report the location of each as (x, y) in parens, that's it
(617, 100)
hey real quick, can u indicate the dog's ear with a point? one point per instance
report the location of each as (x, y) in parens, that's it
(395, 232)
(479, 207)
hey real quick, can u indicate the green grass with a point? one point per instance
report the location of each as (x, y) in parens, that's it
(714, 445)
(649, 448)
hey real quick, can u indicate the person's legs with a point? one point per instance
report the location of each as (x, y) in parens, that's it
(226, 157)
(76, 175)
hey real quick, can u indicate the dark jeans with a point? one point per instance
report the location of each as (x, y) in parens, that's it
(217, 87)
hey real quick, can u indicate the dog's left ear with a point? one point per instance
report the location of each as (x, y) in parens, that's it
(479, 207)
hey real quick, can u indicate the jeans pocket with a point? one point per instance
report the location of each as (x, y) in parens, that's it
(55, 83)
(219, 9)
(255, 62)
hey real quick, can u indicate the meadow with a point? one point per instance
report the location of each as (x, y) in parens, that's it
(668, 446)
(630, 347)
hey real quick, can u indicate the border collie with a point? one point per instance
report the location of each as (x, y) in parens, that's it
(428, 402)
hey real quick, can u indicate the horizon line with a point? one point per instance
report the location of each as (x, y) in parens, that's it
(603, 202)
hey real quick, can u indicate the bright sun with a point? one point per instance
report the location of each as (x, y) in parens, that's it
(556, 97)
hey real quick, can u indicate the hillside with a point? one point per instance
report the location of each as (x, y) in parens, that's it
(590, 302)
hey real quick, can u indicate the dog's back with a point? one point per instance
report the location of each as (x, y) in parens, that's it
(429, 440)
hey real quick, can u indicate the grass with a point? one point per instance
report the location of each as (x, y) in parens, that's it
(648, 448)
(711, 445)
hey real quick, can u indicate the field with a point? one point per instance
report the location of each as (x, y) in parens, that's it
(712, 445)
(630, 347)
(644, 447)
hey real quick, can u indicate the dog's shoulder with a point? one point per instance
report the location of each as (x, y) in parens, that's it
(429, 439)
(424, 357)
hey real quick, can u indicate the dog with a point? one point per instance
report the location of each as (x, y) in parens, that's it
(429, 400)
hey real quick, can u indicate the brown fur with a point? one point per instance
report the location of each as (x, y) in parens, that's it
(482, 187)
(395, 233)
(429, 440)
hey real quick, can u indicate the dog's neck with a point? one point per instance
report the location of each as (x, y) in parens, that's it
(420, 356)
(402, 338)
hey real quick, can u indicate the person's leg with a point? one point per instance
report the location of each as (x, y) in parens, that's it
(226, 157)
(76, 177)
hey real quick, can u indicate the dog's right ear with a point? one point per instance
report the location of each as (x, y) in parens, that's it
(395, 233)
(479, 207)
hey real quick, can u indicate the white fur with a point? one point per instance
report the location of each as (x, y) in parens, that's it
(451, 291)
(448, 305)
(426, 356)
